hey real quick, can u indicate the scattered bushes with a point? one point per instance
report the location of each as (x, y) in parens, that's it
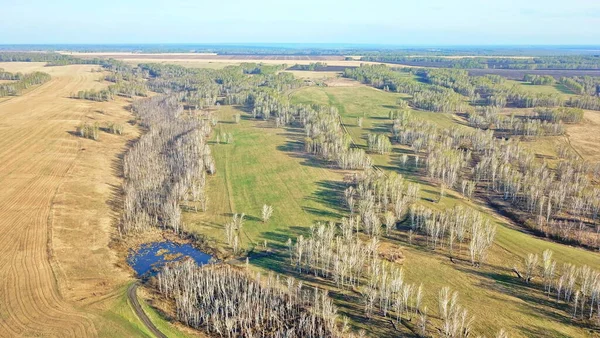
(89, 130)
(114, 128)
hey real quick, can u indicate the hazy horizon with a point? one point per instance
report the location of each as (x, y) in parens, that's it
(436, 23)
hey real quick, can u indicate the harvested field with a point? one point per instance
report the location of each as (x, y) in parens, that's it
(313, 75)
(59, 277)
(585, 137)
(322, 69)
(24, 67)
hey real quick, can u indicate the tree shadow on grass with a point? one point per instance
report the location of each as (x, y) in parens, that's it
(538, 331)
(294, 147)
(331, 194)
(534, 299)
(380, 128)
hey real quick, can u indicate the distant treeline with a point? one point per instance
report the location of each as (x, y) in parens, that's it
(313, 49)
(311, 67)
(53, 59)
(449, 90)
(543, 62)
(21, 82)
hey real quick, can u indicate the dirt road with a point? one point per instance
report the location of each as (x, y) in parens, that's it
(132, 296)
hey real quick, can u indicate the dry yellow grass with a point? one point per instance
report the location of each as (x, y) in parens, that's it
(313, 75)
(584, 137)
(58, 275)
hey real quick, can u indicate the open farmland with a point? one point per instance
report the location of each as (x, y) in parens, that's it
(59, 276)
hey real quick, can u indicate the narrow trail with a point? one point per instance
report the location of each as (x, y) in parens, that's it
(568, 140)
(139, 311)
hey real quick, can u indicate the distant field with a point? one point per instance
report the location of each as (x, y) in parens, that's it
(553, 89)
(585, 137)
(206, 56)
(201, 60)
(312, 75)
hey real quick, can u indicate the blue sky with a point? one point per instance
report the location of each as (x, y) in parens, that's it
(415, 22)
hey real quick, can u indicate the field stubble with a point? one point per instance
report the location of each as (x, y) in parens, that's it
(59, 276)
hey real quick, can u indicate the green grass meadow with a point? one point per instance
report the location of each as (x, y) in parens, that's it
(267, 165)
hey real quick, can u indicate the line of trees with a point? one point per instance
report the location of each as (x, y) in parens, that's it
(311, 67)
(167, 165)
(542, 122)
(540, 62)
(21, 82)
(122, 88)
(542, 80)
(582, 85)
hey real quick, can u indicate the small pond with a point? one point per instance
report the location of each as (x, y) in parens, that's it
(151, 257)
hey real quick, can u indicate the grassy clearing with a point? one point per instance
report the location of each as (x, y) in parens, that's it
(264, 165)
(302, 74)
(552, 89)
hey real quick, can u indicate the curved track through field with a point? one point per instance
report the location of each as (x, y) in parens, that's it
(36, 155)
(139, 311)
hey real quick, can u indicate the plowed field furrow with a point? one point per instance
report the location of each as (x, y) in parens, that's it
(36, 154)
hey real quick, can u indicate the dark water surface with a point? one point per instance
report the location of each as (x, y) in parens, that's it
(151, 257)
